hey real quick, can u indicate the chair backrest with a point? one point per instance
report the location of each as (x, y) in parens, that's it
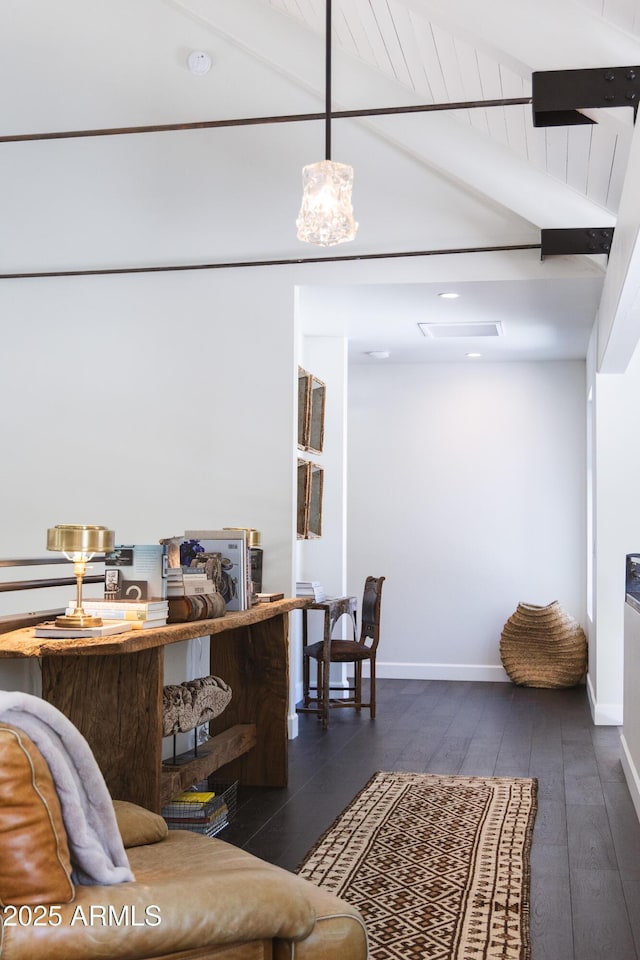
(370, 616)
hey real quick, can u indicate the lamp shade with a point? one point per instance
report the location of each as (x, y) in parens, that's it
(78, 538)
(326, 213)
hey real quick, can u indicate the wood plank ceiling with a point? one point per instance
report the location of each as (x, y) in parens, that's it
(401, 40)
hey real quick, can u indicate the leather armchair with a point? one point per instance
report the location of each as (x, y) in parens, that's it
(193, 898)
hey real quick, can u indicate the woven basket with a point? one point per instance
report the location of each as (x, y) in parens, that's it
(543, 647)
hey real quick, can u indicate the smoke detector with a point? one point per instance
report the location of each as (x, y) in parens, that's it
(199, 62)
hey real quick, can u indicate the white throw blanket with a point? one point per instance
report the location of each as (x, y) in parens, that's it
(95, 845)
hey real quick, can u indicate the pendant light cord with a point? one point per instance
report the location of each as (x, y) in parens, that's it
(327, 126)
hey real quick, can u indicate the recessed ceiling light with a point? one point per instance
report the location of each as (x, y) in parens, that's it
(378, 354)
(473, 355)
(449, 296)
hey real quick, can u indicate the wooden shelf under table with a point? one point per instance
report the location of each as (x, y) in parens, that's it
(212, 755)
(111, 689)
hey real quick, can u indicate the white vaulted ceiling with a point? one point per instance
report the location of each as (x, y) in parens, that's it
(481, 177)
(465, 51)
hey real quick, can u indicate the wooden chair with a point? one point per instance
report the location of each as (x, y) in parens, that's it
(356, 651)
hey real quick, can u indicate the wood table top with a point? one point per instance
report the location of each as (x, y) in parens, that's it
(23, 643)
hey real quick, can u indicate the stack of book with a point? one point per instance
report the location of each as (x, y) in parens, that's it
(311, 588)
(188, 582)
(268, 597)
(51, 629)
(203, 813)
(132, 614)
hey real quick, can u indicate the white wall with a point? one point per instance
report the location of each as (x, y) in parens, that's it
(630, 738)
(467, 491)
(324, 559)
(616, 527)
(151, 405)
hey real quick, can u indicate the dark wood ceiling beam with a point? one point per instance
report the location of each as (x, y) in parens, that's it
(257, 121)
(338, 258)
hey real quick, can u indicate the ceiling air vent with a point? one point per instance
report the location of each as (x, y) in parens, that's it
(445, 331)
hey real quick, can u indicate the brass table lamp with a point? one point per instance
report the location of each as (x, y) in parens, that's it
(79, 543)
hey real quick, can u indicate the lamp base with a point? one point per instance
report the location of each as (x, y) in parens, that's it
(78, 620)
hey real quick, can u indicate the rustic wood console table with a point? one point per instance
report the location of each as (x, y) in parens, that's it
(111, 689)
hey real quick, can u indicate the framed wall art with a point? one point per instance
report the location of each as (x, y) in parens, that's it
(315, 439)
(311, 407)
(303, 498)
(310, 484)
(304, 407)
(314, 512)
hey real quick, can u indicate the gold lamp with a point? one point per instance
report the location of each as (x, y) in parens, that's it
(79, 543)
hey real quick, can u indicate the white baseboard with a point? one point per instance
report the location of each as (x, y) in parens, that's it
(631, 775)
(292, 725)
(425, 671)
(441, 671)
(603, 714)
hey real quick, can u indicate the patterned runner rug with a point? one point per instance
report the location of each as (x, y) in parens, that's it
(437, 865)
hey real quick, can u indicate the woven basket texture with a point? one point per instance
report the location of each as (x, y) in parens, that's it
(543, 647)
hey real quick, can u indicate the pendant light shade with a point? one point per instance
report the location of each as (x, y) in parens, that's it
(326, 214)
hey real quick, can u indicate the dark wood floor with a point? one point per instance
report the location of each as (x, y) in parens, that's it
(585, 884)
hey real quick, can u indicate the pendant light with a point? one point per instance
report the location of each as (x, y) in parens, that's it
(326, 213)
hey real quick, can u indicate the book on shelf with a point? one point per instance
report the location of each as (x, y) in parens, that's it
(193, 807)
(147, 624)
(311, 588)
(232, 546)
(114, 610)
(204, 808)
(104, 604)
(193, 811)
(136, 572)
(49, 629)
(188, 802)
(212, 818)
(146, 621)
(205, 828)
(269, 597)
(190, 587)
(188, 582)
(182, 575)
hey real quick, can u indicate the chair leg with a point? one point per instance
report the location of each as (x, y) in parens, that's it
(326, 693)
(372, 690)
(320, 691)
(358, 685)
(305, 680)
(305, 660)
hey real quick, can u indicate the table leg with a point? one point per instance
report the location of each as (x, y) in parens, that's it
(326, 670)
(305, 660)
(116, 704)
(254, 661)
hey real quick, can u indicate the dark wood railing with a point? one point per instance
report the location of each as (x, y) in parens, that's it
(16, 621)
